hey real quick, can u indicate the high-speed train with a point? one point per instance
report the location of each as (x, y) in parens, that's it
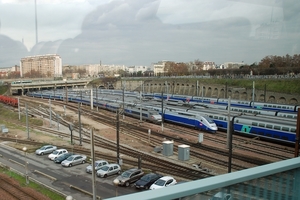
(233, 102)
(243, 110)
(279, 130)
(198, 121)
(146, 114)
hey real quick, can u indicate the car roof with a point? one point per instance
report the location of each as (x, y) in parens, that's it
(133, 170)
(60, 149)
(100, 161)
(112, 164)
(166, 177)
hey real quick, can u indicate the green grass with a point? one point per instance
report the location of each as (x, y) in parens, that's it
(36, 187)
(10, 115)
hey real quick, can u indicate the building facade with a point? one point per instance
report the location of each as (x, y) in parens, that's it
(49, 65)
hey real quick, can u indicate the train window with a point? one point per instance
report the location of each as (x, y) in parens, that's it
(277, 127)
(236, 121)
(215, 117)
(221, 118)
(293, 130)
(274, 106)
(261, 125)
(269, 126)
(285, 129)
(254, 123)
(279, 107)
(283, 107)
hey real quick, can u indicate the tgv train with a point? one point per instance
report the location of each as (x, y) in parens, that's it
(240, 103)
(279, 130)
(244, 110)
(198, 121)
(275, 129)
(148, 115)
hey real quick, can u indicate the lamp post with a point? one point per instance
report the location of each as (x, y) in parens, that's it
(26, 174)
(116, 183)
(71, 128)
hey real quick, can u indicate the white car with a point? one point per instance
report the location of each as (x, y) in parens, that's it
(98, 165)
(221, 196)
(108, 170)
(164, 181)
(57, 153)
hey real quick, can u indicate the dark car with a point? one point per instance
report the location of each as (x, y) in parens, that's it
(129, 176)
(147, 180)
(63, 157)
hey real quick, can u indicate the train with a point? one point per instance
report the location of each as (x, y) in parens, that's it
(134, 110)
(222, 101)
(9, 100)
(244, 110)
(21, 82)
(281, 130)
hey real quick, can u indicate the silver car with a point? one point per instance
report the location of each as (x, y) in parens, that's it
(129, 176)
(74, 160)
(45, 149)
(98, 165)
(108, 170)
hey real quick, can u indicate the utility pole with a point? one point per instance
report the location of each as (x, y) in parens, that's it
(79, 121)
(27, 126)
(118, 137)
(162, 112)
(93, 164)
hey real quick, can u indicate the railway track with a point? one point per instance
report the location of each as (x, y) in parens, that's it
(135, 130)
(13, 191)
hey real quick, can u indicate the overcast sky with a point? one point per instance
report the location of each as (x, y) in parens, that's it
(140, 32)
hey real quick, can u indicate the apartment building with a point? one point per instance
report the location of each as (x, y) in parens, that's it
(49, 65)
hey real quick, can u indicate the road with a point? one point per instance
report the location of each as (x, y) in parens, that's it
(75, 175)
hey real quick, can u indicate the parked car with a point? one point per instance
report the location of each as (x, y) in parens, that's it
(164, 181)
(74, 160)
(45, 149)
(129, 176)
(108, 170)
(147, 180)
(98, 165)
(62, 157)
(57, 153)
(221, 196)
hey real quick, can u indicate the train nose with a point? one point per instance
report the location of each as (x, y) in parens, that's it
(157, 118)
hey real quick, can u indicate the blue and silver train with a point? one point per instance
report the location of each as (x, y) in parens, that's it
(198, 121)
(240, 103)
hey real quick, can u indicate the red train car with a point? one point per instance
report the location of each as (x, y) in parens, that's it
(9, 100)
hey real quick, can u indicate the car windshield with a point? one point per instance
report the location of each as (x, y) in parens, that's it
(146, 178)
(43, 148)
(105, 168)
(126, 174)
(70, 158)
(55, 152)
(160, 182)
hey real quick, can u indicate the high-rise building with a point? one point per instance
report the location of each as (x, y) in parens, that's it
(49, 65)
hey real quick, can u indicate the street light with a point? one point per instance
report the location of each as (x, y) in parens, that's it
(71, 128)
(116, 183)
(26, 174)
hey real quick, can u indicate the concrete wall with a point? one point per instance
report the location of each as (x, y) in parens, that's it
(185, 87)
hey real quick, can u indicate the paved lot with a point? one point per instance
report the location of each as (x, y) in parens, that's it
(65, 176)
